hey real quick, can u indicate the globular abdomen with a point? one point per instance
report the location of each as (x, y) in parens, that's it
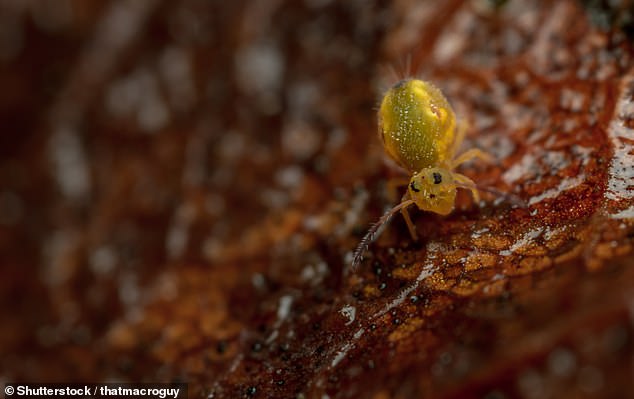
(417, 125)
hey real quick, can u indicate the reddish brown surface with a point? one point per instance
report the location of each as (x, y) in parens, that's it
(183, 184)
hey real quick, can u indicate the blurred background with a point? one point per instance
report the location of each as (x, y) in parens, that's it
(182, 184)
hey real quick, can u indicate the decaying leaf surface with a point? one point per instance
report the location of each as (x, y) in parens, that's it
(183, 184)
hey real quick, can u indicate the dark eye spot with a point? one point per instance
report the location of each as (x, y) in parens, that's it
(432, 196)
(414, 188)
(437, 178)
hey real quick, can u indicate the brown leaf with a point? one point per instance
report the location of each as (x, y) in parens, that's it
(184, 184)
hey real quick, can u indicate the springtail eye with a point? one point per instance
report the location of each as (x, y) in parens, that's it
(414, 188)
(437, 178)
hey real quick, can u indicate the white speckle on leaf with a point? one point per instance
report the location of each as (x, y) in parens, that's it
(428, 270)
(571, 100)
(290, 176)
(525, 240)
(103, 260)
(260, 67)
(341, 354)
(284, 308)
(258, 281)
(520, 169)
(564, 184)
(621, 173)
(349, 312)
(561, 362)
(452, 41)
(138, 95)
(260, 72)
(70, 163)
(478, 233)
(315, 273)
(300, 140)
(336, 138)
(624, 214)
(178, 231)
(353, 214)
(554, 232)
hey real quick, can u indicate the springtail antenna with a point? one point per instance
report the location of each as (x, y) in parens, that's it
(370, 235)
